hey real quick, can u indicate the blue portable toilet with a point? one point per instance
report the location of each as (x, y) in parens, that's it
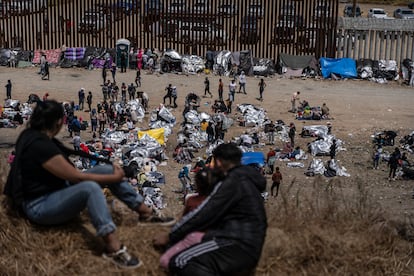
(122, 48)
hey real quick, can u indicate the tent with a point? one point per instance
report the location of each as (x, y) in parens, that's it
(249, 158)
(344, 67)
(294, 66)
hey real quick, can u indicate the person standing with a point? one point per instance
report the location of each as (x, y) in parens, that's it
(76, 141)
(332, 149)
(210, 133)
(393, 165)
(131, 91)
(271, 159)
(102, 120)
(81, 97)
(295, 98)
(242, 82)
(220, 89)
(269, 129)
(174, 96)
(207, 87)
(262, 86)
(169, 92)
(8, 89)
(123, 61)
(123, 92)
(46, 72)
(89, 101)
(234, 216)
(138, 78)
(276, 179)
(113, 72)
(185, 179)
(94, 121)
(292, 133)
(232, 90)
(376, 158)
(104, 73)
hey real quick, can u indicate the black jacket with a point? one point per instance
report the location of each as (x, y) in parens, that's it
(233, 211)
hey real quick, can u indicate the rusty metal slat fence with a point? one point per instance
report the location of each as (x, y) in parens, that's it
(266, 27)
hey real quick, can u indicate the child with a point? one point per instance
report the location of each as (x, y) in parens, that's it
(184, 179)
(76, 141)
(276, 178)
(205, 181)
(376, 158)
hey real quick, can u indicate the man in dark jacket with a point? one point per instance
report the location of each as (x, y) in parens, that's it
(233, 218)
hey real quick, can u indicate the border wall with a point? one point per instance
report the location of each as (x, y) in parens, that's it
(265, 27)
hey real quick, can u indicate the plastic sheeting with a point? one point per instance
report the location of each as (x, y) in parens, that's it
(263, 67)
(157, 134)
(253, 158)
(344, 67)
(252, 115)
(52, 56)
(192, 64)
(222, 64)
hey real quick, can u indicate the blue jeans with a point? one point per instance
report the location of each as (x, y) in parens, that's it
(63, 205)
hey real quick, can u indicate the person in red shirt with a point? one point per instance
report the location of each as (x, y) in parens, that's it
(270, 159)
(277, 179)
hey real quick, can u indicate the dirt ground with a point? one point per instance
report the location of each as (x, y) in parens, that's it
(359, 109)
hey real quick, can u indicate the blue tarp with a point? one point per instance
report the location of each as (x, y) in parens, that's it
(344, 67)
(253, 158)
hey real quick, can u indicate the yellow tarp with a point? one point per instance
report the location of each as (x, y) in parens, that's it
(157, 134)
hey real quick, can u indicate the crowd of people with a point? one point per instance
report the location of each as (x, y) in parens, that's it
(221, 230)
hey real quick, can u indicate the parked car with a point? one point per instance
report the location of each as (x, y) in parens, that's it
(349, 11)
(377, 13)
(92, 21)
(322, 10)
(250, 30)
(288, 11)
(23, 7)
(200, 32)
(404, 13)
(4, 11)
(177, 6)
(227, 9)
(201, 6)
(255, 9)
(128, 6)
(153, 7)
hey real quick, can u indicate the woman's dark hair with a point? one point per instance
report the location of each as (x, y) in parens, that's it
(45, 115)
(206, 179)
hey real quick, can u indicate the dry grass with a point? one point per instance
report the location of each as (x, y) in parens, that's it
(326, 229)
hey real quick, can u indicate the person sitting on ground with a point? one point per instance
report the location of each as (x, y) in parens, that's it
(307, 113)
(325, 111)
(234, 216)
(295, 152)
(46, 187)
(286, 151)
(205, 180)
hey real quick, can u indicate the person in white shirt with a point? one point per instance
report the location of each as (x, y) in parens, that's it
(295, 98)
(242, 82)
